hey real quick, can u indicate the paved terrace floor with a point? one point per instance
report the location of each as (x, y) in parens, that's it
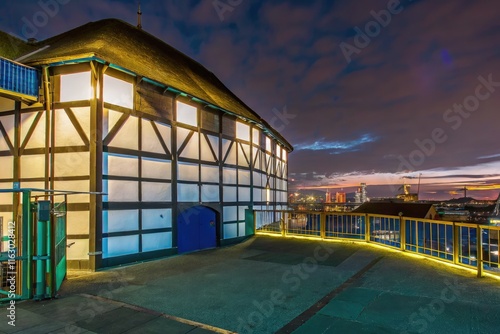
(270, 285)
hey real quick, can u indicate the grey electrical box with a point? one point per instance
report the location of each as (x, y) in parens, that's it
(43, 210)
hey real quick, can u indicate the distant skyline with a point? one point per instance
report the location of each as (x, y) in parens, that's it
(367, 91)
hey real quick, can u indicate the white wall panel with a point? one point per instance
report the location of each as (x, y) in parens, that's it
(226, 143)
(71, 164)
(192, 149)
(206, 150)
(120, 191)
(8, 124)
(241, 212)
(128, 135)
(257, 195)
(188, 172)
(230, 231)
(65, 132)
(257, 179)
(243, 155)
(79, 249)
(214, 142)
(231, 156)
(156, 218)
(243, 176)
(241, 229)
(83, 116)
(156, 192)
(75, 87)
(244, 194)
(187, 192)
(37, 138)
(120, 165)
(118, 92)
(255, 136)
(120, 220)
(150, 140)
(7, 168)
(166, 134)
(187, 114)
(209, 193)
(156, 169)
(156, 241)
(32, 166)
(117, 246)
(6, 198)
(229, 194)
(242, 131)
(230, 213)
(77, 222)
(229, 176)
(210, 174)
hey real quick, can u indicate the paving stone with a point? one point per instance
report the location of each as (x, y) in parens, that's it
(162, 325)
(342, 309)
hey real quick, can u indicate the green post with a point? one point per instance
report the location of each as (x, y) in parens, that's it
(41, 265)
(27, 286)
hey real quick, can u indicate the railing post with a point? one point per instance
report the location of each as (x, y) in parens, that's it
(402, 232)
(322, 224)
(479, 255)
(456, 244)
(283, 224)
(367, 228)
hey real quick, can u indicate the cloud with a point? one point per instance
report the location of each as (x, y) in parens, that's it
(337, 147)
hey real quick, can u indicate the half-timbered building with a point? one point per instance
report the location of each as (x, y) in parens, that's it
(179, 159)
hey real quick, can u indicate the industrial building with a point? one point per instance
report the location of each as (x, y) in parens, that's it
(108, 108)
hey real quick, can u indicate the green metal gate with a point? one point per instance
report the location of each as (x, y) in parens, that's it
(33, 256)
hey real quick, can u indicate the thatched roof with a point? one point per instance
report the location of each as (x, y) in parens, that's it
(126, 46)
(12, 47)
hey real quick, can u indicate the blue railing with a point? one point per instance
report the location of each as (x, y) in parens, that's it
(19, 79)
(446, 241)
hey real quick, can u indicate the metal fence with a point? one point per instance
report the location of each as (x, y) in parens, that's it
(18, 78)
(470, 245)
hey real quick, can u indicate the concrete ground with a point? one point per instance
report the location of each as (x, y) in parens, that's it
(270, 285)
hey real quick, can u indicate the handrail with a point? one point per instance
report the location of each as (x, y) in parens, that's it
(468, 245)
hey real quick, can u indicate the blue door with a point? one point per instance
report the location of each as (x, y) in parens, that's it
(196, 229)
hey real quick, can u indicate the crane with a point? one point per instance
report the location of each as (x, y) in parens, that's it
(465, 190)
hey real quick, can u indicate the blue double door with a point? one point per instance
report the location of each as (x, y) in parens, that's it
(196, 229)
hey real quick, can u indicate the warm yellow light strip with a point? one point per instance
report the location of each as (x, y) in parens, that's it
(382, 247)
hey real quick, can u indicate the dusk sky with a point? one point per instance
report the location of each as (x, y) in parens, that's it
(366, 91)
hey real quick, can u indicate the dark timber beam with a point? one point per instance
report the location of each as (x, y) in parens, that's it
(96, 115)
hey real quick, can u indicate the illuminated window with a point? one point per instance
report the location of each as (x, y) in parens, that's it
(242, 131)
(76, 87)
(255, 136)
(118, 92)
(268, 144)
(187, 114)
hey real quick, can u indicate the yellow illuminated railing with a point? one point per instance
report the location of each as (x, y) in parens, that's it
(470, 245)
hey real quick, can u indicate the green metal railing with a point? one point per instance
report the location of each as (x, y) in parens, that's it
(469, 245)
(33, 263)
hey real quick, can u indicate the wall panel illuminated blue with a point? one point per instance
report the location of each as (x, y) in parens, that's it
(19, 79)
